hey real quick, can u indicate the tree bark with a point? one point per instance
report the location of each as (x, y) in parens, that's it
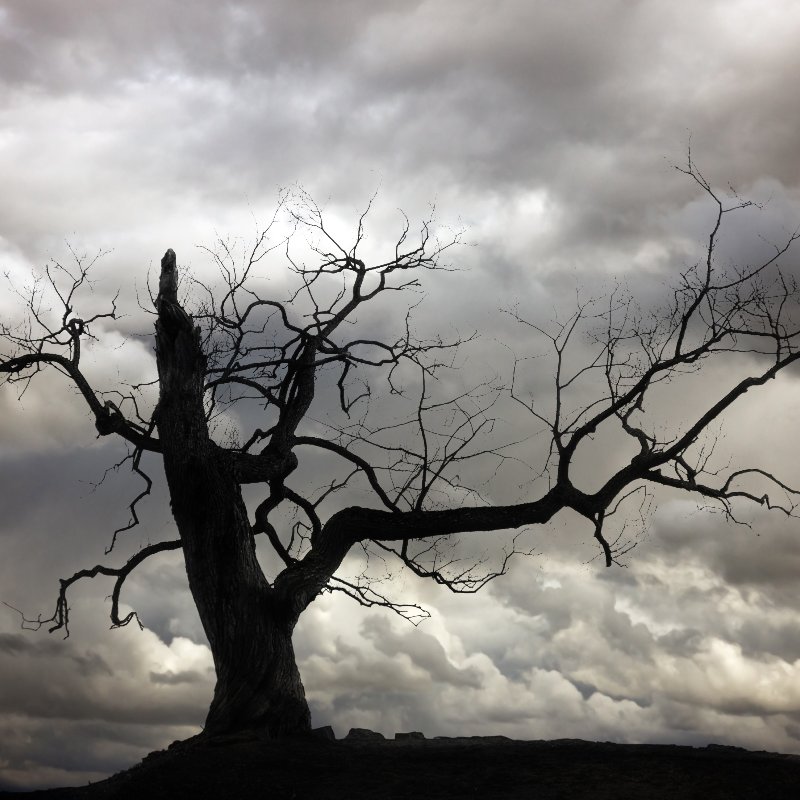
(248, 627)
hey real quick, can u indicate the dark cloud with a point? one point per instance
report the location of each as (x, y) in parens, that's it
(764, 554)
(14, 643)
(92, 664)
(549, 133)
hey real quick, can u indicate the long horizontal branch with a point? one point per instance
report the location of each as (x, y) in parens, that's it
(300, 583)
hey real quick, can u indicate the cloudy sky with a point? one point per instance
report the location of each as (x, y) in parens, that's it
(547, 132)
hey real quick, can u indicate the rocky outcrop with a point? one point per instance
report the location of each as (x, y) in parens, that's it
(363, 735)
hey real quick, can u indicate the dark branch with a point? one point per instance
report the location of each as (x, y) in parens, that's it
(60, 617)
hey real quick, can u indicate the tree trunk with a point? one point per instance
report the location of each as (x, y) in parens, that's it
(248, 629)
(258, 683)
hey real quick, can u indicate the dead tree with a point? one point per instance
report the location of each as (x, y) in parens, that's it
(273, 357)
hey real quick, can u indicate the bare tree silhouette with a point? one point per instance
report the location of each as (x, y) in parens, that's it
(272, 358)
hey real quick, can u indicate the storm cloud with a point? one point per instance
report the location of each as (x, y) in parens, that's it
(547, 133)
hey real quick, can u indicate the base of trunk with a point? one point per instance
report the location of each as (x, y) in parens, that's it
(258, 685)
(283, 716)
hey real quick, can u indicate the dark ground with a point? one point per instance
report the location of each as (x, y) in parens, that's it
(245, 767)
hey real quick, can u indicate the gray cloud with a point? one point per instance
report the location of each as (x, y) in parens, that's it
(547, 132)
(171, 678)
(422, 649)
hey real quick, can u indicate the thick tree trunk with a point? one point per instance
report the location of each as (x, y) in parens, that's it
(249, 631)
(258, 683)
